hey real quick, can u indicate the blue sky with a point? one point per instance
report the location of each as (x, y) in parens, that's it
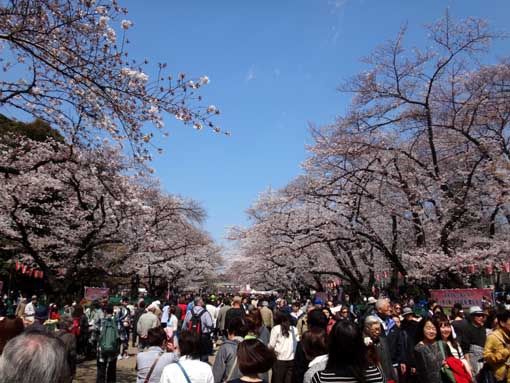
(274, 67)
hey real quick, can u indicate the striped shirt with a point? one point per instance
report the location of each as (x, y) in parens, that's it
(372, 375)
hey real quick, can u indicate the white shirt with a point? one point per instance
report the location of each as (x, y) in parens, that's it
(213, 311)
(166, 314)
(316, 365)
(296, 315)
(284, 347)
(173, 323)
(456, 352)
(198, 372)
(29, 310)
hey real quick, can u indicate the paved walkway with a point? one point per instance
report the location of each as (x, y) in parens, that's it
(126, 373)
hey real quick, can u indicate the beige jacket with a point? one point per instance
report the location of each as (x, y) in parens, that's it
(497, 354)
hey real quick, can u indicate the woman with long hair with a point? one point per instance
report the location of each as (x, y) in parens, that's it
(283, 341)
(428, 355)
(331, 319)
(348, 360)
(446, 335)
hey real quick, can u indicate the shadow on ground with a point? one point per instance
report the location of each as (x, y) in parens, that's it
(86, 371)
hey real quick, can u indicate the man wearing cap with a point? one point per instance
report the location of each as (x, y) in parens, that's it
(472, 337)
(30, 309)
(370, 307)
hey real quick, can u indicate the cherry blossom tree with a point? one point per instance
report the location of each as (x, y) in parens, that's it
(297, 242)
(414, 177)
(421, 157)
(70, 211)
(66, 62)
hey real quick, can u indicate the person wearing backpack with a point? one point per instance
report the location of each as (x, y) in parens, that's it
(108, 347)
(200, 322)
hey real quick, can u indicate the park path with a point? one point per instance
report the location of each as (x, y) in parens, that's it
(126, 373)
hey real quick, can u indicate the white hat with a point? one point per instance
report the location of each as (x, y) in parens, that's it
(372, 301)
(473, 310)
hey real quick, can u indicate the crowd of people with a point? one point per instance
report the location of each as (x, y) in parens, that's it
(209, 339)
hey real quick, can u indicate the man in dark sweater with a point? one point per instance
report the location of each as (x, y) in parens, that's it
(472, 335)
(236, 311)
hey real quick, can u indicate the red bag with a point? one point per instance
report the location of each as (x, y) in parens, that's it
(76, 327)
(458, 369)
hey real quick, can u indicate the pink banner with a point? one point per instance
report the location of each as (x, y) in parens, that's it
(95, 293)
(466, 297)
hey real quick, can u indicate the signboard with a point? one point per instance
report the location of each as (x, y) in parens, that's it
(466, 297)
(96, 293)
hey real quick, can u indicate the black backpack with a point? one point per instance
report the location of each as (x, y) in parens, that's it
(195, 323)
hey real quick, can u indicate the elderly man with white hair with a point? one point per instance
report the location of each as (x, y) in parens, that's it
(390, 331)
(35, 357)
(372, 332)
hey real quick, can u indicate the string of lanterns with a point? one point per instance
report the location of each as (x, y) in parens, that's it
(28, 271)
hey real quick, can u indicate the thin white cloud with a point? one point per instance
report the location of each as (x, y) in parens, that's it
(277, 72)
(335, 34)
(336, 5)
(250, 75)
